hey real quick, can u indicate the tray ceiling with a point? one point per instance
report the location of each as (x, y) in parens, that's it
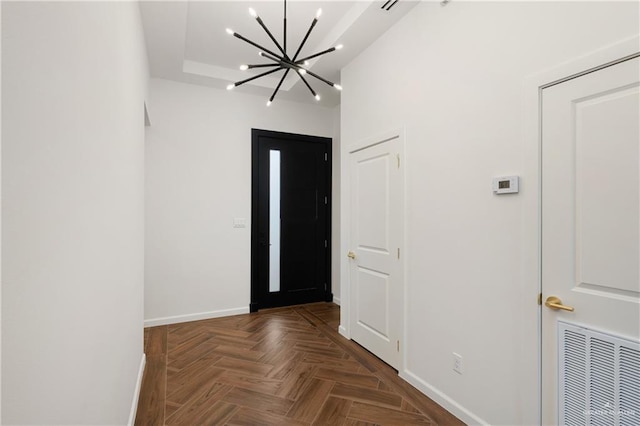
(187, 42)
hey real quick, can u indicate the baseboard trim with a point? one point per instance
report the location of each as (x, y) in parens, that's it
(343, 332)
(336, 300)
(194, 317)
(441, 398)
(136, 391)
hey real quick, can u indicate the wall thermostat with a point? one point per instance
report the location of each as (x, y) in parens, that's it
(506, 185)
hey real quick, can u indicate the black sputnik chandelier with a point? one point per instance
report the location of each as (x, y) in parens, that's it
(282, 61)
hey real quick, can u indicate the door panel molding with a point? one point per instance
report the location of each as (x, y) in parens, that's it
(376, 139)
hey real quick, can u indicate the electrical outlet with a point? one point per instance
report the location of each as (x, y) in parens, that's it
(457, 363)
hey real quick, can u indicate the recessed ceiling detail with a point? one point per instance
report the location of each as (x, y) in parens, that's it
(186, 41)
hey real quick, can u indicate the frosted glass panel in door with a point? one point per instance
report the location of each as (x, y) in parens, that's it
(274, 220)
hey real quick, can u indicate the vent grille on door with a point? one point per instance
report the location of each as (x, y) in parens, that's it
(599, 378)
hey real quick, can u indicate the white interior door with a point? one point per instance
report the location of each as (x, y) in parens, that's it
(590, 248)
(375, 238)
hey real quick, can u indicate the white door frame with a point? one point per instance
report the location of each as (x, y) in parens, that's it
(532, 213)
(345, 221)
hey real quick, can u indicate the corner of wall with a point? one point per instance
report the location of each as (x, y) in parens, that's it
(147, 118)
(336, 234)
(0, 221)
(136, 392)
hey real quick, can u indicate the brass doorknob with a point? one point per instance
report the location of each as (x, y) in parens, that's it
(351, 255)
(554, 302)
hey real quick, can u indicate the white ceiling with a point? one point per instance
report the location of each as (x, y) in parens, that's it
(187, 41)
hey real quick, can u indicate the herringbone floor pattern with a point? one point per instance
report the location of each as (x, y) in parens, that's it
(284, 366)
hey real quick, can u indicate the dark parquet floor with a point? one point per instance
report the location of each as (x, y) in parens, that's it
(285, 366)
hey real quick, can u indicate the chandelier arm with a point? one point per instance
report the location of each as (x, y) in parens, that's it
(300, 61)
(279, 84)
(285, 28)
(246, 40)
(307, 84)
(271, 36)
(391, 5)
(261, 66)
(304, 40)
(273, 58)
(321, 79)
(257, 76)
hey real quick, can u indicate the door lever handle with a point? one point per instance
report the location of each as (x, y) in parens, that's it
(351, 255)
(554, 302)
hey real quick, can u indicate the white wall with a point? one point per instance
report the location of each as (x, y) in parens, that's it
(198, 179)
(0, 222)
(74, 77)
(335, 212)
(453, 77)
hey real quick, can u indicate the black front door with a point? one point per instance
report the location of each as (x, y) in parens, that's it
(291, 220)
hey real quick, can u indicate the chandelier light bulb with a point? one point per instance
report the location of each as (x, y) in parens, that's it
(231, 86)
(259, 53)
(268, 103)
(318, 13)
(230, 31)
(244, 67)
(317, 97)
(302, 71)
(252, 12)
(306, 63)
(338, 47)
(337, 86)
